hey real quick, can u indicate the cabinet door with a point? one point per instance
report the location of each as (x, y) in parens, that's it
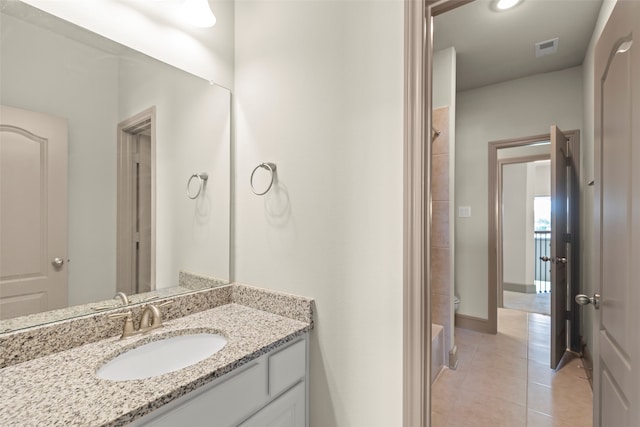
(220, 405)
(288, 410)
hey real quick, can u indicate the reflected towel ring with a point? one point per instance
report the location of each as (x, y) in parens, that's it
(271, 167)
(202, 178)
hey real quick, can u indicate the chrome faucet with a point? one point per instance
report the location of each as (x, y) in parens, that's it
(151, 319)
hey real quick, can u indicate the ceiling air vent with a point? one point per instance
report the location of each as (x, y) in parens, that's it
(547, 47)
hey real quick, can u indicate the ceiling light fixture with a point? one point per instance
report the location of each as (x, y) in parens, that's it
(506, 4)
(198, 13)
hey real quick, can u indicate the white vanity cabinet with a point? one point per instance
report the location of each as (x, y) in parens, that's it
(269, 391)
(288, 410)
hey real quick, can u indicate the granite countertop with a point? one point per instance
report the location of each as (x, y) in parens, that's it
(62, 389)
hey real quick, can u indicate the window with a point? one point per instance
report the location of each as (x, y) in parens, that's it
(542, 213)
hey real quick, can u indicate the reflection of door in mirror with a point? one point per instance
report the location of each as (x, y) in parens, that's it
(135, 213)
(33, 212)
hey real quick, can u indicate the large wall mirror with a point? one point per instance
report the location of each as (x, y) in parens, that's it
(122, 134)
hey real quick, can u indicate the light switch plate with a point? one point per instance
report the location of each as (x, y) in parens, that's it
(464, 211)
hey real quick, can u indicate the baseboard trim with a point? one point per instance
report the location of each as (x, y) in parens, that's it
(472, 323)
(523, 288)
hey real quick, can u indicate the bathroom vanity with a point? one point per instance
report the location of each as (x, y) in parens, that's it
(260, 375)
(272, 387)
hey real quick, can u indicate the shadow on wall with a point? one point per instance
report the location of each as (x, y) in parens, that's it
(320, 396)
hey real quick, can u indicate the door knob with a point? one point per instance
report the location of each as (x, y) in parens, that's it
(57, 262)
(545, 258)
(582, 299)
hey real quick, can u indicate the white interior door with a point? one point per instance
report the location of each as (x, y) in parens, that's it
(617, 216)
(33, 212)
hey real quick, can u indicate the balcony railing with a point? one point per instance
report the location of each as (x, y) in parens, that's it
(542, 241)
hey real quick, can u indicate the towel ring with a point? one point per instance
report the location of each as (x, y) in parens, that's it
(202, 178)
(271, 167)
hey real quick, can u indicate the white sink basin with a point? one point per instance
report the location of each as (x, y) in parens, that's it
(161, 357)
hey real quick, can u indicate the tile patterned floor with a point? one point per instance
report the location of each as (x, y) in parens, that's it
(505, 380)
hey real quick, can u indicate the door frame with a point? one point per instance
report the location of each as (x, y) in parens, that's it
(418, 59)
(500, 163)
(494, 267)
(125, 228)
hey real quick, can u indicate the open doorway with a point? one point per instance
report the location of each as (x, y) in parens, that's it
(524, 282)
(135, 264)
(518, 247)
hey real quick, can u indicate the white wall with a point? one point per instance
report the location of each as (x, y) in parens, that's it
(45, 72)
(193, 120)
(444, 78)
(319, 91)
(518, 108)
(542, 179)
(521, 183)
(529, 248)
(514, 223)
(155, 29)
(587, 153)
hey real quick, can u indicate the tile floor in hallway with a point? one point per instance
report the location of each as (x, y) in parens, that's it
(505, 380)
(533, 303)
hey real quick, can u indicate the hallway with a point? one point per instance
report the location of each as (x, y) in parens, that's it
(505, 380)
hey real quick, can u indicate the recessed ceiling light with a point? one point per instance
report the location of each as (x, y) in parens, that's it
(506, 4)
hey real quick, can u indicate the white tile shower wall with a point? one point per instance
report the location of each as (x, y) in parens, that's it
(319, 92)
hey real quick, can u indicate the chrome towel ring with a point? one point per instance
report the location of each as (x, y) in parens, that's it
(202, 178)
(271, 167)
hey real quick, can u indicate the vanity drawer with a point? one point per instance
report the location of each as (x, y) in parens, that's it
(288, 410)
(222, 404)
(287, 367)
